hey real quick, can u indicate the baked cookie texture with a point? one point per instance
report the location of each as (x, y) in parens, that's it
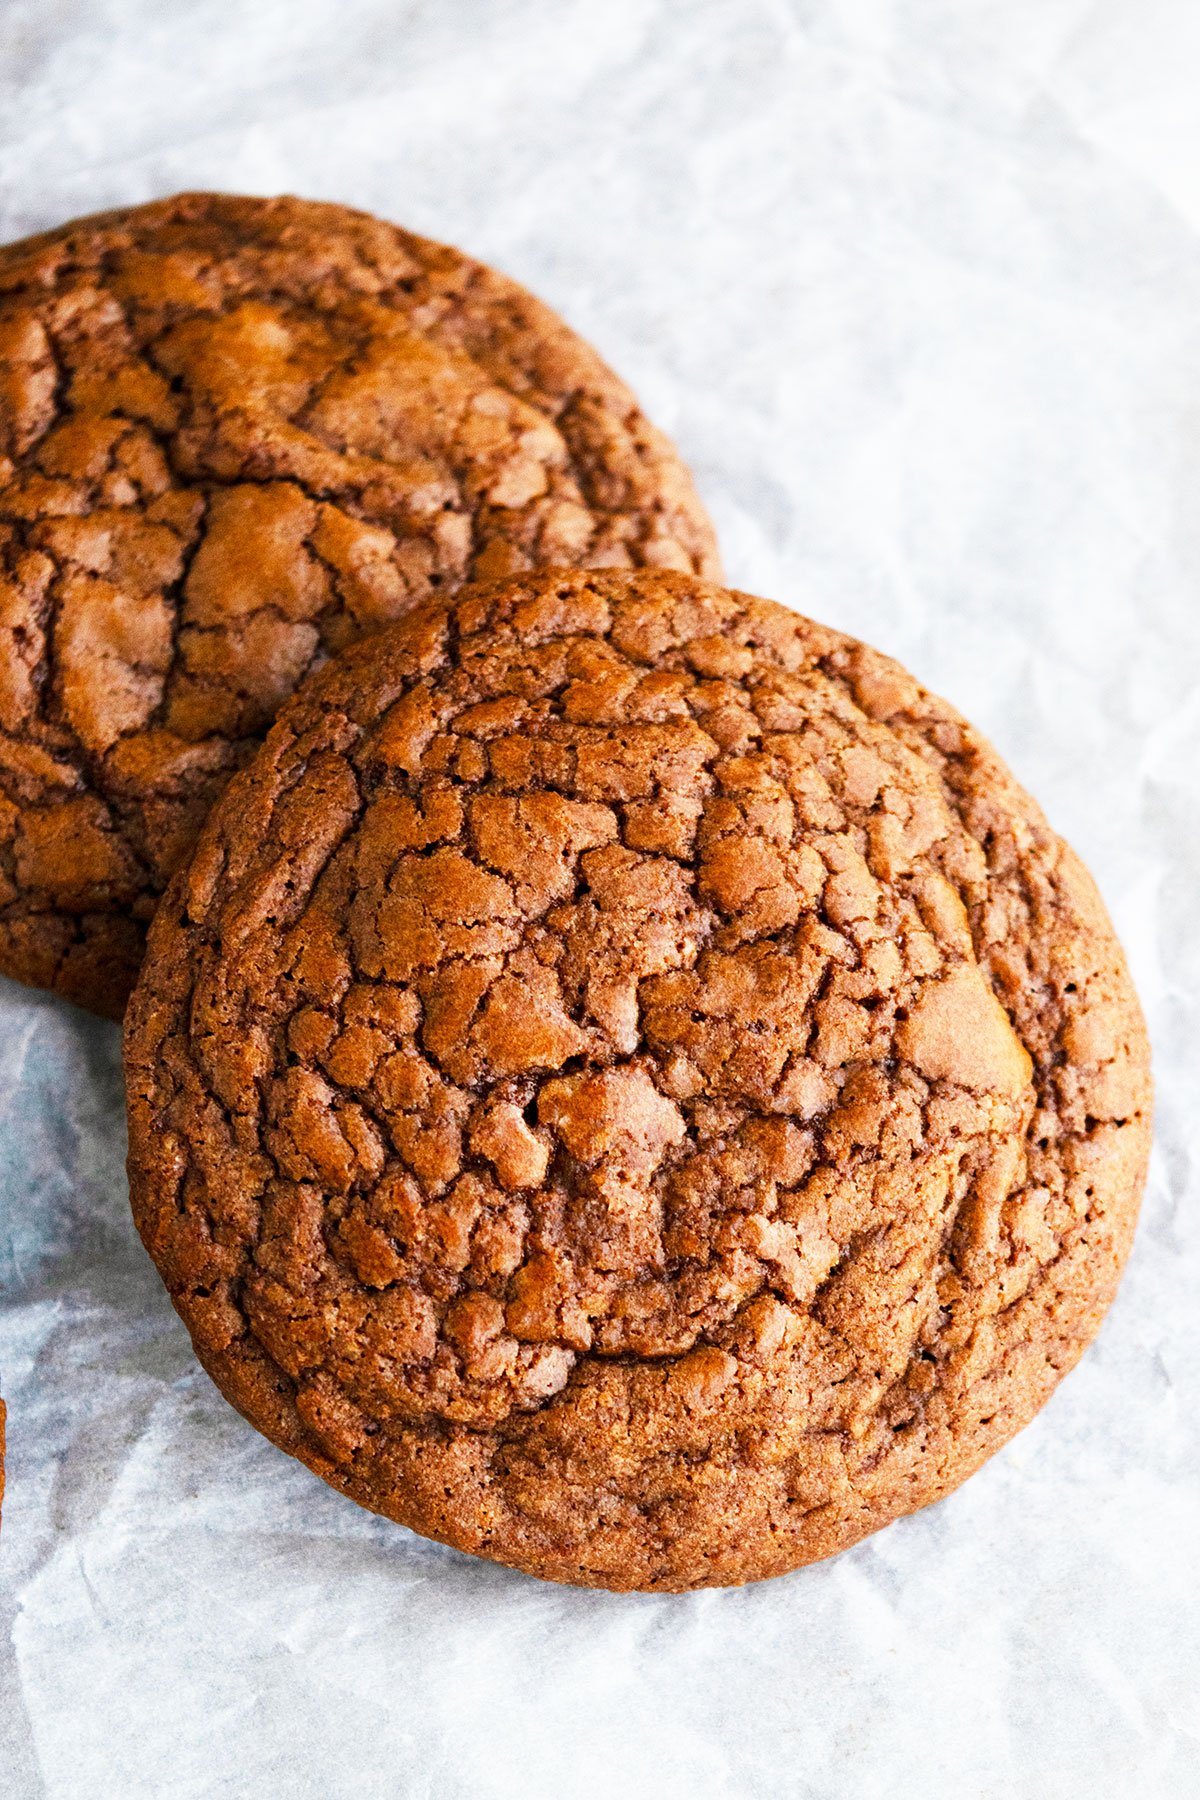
(236, 435)
(631, 1087)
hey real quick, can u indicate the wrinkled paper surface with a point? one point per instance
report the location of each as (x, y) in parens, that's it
(916, 285)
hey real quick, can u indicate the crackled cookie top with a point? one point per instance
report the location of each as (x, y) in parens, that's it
(236, 435)
(630, 1086)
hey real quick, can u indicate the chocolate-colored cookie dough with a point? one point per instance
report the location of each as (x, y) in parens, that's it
(631, 1087)
(236, 435)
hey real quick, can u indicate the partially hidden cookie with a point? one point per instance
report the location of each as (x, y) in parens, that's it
(236, 435)
(631, 1087)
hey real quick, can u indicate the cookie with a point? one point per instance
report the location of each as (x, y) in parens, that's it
(631, 1087)
(236, 435)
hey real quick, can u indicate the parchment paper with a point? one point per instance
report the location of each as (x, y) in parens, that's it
(916, 284)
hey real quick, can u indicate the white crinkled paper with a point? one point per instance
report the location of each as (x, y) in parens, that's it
(916, 285)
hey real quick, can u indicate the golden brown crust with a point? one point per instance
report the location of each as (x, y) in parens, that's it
(630, 1086)
(236, 435)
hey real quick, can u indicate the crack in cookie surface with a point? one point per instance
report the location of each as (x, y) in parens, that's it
(630, 1086)
(235, 436)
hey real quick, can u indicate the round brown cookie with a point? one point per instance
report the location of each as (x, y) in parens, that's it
(631, 1087)
(236, 435)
